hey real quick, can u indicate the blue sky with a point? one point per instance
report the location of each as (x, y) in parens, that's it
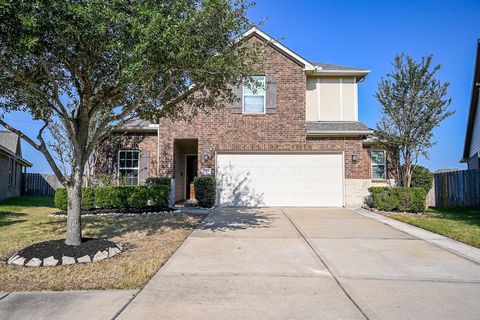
(368, 34)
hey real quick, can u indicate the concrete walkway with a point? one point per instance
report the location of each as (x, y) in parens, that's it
(300, 263)
(287, 263)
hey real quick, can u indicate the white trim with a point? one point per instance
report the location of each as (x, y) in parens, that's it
(128, 168)
(360, 73)
(185, 173)
(344, 190)
(341, 152)
(256, 95)
(355, 97)
(384, 163)
(333, 132)
(317, 86)
(340, 81)
(307, 65)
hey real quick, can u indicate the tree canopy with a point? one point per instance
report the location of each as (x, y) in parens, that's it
(414, 101)
(83, 67)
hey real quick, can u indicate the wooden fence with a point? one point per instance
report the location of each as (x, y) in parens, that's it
(40, 184)
(457, 188)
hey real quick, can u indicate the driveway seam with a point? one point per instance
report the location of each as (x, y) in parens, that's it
(326, 266)
(5, 295)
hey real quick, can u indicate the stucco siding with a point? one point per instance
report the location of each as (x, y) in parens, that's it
(331, 99)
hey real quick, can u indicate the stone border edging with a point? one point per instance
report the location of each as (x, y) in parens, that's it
(454, 246)
(52, 262)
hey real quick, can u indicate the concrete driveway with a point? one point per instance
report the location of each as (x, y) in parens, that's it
(307, 263)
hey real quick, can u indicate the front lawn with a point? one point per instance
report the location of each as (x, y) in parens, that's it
(462, 224)
(149, 241)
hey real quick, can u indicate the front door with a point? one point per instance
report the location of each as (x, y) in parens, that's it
(191, 163)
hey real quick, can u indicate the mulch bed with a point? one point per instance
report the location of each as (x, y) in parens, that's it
(120, 211)
(58, 249)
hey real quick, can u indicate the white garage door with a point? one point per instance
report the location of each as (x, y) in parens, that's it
(280, 179)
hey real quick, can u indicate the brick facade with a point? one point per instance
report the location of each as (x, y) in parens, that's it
(223, 130)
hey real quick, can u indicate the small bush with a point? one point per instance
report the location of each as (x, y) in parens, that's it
(205, 190)
(411, 199)
(112, 197)
(398, 199)
(88, 198)
(421, 178)
(384, 198)
(61, 199)
(159, 194)
(158, 181)
(138, 197)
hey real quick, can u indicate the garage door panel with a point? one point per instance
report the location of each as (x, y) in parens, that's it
(302, 179)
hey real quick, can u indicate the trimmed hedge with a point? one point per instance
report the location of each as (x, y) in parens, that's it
(422, 178)
(136, 197)
(88, 199)
(398, 199)
(205, 189)
(60, 199)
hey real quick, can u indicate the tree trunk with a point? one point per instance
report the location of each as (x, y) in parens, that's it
(74, 223)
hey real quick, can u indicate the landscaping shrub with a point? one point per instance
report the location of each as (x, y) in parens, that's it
(88, 198)
(112, 197)
(159, 194)
(60, 199)
(398, 199)
(158, 181)
(138, 197)
(411, 199)
(384, 198)
(205, 190)
(117, 197)
(422, 178)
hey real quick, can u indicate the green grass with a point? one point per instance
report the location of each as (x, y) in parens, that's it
(462, 224)
(149, 242)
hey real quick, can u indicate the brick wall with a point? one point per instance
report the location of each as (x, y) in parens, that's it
(222, 130)
(108, 153)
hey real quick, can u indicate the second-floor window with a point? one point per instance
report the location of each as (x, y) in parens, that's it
(379, 165)
(254, 96)
(128, 166)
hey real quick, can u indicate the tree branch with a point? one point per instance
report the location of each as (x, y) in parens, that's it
(40, 147)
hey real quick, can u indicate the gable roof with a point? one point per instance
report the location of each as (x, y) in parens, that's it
(9, 141)
(473, 106)
(10, 145)
(314, 68)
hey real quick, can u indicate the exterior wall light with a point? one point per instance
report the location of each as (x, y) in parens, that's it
(354, 158)
(206, 156)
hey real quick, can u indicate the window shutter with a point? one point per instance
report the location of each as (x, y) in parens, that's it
(271, 95)
(144, 167)
(237, 104)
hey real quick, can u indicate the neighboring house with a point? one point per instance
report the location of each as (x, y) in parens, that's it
(471, 151)
(295, 141)
(11, 165)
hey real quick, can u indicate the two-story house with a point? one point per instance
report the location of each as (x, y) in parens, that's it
(471, 150)
(295, 140)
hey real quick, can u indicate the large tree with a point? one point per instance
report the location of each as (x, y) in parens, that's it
(83, 67)
(414, 101)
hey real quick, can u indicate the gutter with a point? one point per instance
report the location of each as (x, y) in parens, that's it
(338, 133)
